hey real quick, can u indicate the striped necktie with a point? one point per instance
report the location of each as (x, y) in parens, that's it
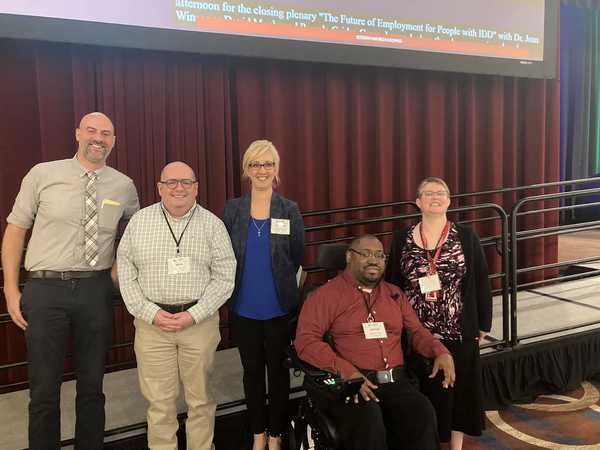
(91, 220)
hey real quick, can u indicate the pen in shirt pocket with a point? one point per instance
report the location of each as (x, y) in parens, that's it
(110, 202)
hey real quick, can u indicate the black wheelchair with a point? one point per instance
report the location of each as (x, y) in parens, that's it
(311, 426)
(311, 423)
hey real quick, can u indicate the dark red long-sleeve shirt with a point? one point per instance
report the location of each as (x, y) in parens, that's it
(339, 308)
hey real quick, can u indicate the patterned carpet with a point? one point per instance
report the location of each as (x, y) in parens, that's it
(557, 422)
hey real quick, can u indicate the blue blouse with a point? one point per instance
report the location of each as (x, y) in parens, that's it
(257, 297)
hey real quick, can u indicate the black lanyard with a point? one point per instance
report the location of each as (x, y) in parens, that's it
(178, 241)
(366, 297)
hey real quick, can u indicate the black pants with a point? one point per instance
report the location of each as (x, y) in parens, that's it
(260, 343)
(54, 309)
(403, 419)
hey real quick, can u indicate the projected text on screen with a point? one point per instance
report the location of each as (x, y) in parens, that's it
(512, 29)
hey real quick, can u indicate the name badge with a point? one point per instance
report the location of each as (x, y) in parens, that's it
(179, 265)
(430, 283)
(374, 330)
(280, 226)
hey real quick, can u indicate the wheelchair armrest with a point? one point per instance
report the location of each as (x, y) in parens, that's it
(292, 361)
(321, 380)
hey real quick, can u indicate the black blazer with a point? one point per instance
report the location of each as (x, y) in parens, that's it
(476, 292)
(286, 250)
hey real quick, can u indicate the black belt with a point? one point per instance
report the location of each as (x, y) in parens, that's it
(392, 375)
(68, 275)
(177, 307)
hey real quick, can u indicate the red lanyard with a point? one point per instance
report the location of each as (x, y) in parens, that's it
(432, 258)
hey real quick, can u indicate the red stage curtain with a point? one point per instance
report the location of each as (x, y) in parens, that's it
(347, 135)
(165, 107)
(368, 135)
(356, 135)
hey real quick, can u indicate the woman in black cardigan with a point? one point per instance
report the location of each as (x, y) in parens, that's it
(441, 267)
(267, 234)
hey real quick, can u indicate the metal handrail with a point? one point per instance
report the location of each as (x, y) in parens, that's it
(560, 208)
(455, 196)
(557, 265)
(516, 236)
(324, 212)
(508, 247)
(559, 229)
(501, 214)
(547, 281)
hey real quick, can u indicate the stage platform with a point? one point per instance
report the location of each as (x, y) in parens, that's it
(546, 308)
(552, 363)
(546, 364)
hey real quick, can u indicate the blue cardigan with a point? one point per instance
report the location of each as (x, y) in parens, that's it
(286, 250)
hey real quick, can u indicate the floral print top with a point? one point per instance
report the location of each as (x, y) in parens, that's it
(440, 316)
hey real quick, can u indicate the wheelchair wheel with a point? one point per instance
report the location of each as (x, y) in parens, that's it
(303, 437)
(298, 434)
(320, 434)
(307, 431)
(320, 440)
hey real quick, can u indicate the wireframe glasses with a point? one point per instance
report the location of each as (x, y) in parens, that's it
(267, 165)
(430, 194)
(378, 254)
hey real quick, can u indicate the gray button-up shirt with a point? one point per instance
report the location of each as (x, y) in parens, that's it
(144, 252)
(52, 201)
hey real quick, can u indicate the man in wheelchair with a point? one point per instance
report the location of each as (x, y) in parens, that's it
(365, 316)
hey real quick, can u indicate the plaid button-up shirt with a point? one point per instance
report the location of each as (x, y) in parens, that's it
(146, 247)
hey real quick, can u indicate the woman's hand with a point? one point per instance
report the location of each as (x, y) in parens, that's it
(446, 363)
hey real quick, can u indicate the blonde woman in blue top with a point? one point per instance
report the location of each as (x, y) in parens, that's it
(267, 234)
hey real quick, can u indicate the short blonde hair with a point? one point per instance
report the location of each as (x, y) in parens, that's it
(435, 180)
(254, 151)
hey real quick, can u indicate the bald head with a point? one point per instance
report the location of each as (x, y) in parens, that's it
(96, 138)
(97, 116)
(179, 168)
(178, 188)
(356, 242)
(366, 260)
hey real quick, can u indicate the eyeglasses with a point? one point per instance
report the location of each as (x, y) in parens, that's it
(172, 183)
(267, 165)
(378, 254)
(430, 194)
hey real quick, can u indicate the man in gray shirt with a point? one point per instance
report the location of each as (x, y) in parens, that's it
(73, 208)
(176, 268)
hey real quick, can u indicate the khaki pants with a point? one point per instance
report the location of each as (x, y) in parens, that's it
(163, 358)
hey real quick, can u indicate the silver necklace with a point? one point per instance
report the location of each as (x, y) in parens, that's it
(259, 229)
